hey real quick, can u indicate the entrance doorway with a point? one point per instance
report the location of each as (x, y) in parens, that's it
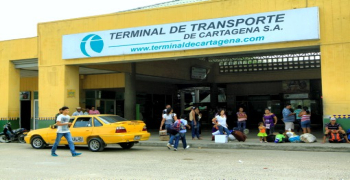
(106, 106)
(25, 114)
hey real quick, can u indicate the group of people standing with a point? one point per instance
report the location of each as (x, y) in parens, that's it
(300, 116)
(79, 112)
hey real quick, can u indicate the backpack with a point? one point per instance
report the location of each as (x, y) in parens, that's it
(176, 127)
(335, 137)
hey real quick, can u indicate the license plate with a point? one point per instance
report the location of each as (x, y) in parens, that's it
(137, 138)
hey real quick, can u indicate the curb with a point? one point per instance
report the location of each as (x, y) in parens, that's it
(254, 146)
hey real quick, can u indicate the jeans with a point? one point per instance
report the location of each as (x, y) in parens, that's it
(222, 129)
(270, 131)
(68, 136)
(241, 125)
(306, 124)
(183, 139)
(167, 126)
(172, 138)
(195, 129)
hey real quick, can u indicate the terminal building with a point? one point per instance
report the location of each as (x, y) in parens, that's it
(213, 54)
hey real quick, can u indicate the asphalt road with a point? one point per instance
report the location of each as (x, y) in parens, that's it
(21, 161)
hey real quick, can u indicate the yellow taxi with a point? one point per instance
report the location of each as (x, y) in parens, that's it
(96, 131)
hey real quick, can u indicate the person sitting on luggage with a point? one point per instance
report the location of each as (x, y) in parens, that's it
(335, 131)
(220, 122)
(280, 138)
(262, 132)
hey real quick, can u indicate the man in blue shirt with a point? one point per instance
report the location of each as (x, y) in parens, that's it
(288, 118)
(79, 112)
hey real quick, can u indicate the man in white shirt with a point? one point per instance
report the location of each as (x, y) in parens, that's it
(63, 130)
(78, 112)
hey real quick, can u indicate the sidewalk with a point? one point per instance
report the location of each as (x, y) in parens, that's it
(252, 142)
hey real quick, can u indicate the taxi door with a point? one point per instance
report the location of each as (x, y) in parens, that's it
(81, 130)
(52, 134)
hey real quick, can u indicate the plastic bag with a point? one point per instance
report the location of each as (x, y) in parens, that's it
(308, 138)
(294, 139)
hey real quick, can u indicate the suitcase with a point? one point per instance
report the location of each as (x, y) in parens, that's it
(270, 138)
(239, 135)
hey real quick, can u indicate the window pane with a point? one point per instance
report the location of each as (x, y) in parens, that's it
(82, 122)
(97, 123)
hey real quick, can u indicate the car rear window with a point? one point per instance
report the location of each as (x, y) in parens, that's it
(111, 119)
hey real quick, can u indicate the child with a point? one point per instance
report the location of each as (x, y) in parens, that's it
(280, 138)
(182, 133)
(262, 132)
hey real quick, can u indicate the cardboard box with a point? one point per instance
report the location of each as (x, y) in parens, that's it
(163, 133)
(164, 138)
(221, 139)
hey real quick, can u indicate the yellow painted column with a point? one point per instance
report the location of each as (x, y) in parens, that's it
(335, 70)
(10, 88)
(58, 86)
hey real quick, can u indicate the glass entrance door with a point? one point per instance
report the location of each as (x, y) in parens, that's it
(107, 107)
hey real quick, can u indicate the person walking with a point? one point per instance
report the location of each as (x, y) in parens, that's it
(182, 133)
(168, 119)
(63, 130)
(298, 118)
(166, 108)
(305, 116)
(288, 118)
(270, 120)
(220, 122)
(242, 118)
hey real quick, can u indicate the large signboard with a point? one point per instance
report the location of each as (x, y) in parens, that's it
(270, 27)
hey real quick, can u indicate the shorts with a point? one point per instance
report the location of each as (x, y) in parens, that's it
(306, 124)
(288, 125)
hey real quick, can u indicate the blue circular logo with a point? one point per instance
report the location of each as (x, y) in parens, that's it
(91, 42)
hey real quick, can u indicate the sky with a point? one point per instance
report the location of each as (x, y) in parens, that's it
(19, 18)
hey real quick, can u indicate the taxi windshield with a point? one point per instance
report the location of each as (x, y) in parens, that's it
(111, 119)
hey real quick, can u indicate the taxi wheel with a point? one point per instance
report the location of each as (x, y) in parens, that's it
(38, 142)
(96, 144)
(127, 145)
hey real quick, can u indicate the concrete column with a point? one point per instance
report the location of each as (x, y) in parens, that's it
(214, 92)
(182, 102)
(10, 88)
(130, 93)
(58, 86)
(197, 95)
